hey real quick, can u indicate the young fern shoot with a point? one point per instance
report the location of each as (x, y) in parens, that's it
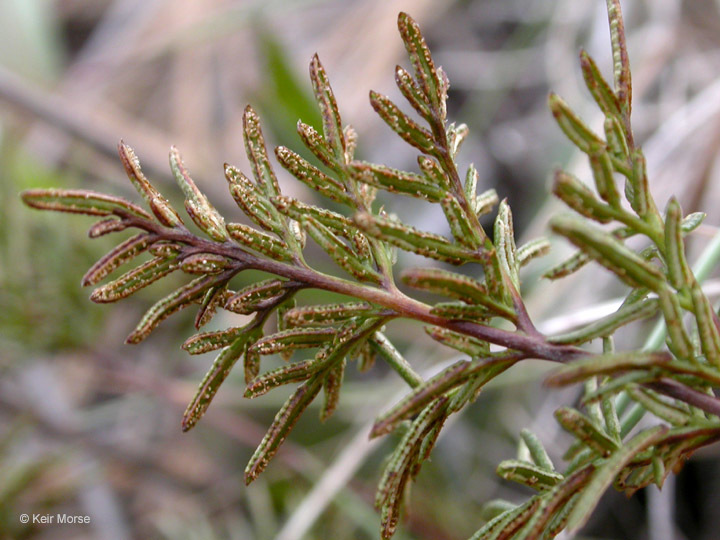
(675, 385)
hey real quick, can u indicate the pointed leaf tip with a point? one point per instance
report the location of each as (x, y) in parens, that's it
(159, 205)
(332, 123)
(430, 80)
(283, 423)
(80, 201)
(203, 214)
(257, 153)
(217, 374)
(402, 124)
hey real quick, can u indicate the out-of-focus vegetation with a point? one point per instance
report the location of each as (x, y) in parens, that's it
(90, 426)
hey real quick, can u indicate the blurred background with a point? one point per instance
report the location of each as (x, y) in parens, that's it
(90, 426)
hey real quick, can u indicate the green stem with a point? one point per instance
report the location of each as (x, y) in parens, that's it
(395, 360)
(701, 269)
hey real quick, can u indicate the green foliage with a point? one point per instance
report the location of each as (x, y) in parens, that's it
(472, 312)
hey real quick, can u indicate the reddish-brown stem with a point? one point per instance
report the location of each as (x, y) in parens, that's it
(674, 389)
(523, 320)
(535, 346)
